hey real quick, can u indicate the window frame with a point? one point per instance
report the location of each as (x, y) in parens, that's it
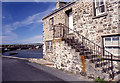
(113, 44)
(96, 8)
(51, 23)
(49, 46)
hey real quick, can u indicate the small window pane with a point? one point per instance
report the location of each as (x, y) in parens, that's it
(97, 10)
(109, 47)
(101, 2)
(115, 38)
(115, 47)
(51, 23)
(49, 45)
(107, 39)
(102, 9)
(97, 3)
(51, 48)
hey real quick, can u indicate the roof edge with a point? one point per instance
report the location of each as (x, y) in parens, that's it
(57, 10)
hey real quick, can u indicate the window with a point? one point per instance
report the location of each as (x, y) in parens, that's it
(51, 23)
(48, 46)
(99, 7)
(111, 44)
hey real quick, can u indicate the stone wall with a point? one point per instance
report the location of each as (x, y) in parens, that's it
(85, 22)
(94, 27)
(65, 57)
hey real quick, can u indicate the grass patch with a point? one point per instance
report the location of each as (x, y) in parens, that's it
(99, 56)
(69, 72)
(100, 80)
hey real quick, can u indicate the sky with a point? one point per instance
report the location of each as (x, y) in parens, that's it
(22, 21)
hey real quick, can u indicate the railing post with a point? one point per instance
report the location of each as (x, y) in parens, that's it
(63, 28)
(54, 31)
(112, 66)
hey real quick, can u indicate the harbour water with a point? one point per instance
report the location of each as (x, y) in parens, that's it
(29, 53)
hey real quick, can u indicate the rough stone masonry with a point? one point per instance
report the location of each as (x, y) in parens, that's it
(84, 21)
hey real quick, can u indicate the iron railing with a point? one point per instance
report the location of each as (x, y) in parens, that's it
(105, 57)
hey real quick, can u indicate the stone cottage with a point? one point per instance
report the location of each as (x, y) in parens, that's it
(83, 37)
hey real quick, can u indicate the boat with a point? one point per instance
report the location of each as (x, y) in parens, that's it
(13, 53)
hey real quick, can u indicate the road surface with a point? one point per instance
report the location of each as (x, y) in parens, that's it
(19, 70)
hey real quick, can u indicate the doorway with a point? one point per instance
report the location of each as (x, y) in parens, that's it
(69, 20)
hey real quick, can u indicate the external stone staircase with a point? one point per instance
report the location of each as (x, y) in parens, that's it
(96, 65)
(94, 62)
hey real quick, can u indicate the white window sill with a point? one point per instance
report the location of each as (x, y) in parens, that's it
(101, 15)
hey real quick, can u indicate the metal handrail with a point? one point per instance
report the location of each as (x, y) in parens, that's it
(82, 36)
(99, 49)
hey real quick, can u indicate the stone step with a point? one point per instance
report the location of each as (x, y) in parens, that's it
(93, 60)
(105, 70)
(114, 74)
(75, 41)
(78, 46)
(101, 64)
(117, 72)
(66, 47)
(71, 40)
(80, 49)
(85, 53)
(91, 56)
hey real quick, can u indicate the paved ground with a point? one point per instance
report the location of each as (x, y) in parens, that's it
(22, 70)
(19, 70)
(0, 69)
(59, 73)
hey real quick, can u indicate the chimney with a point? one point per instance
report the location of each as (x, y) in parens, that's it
(60, 4)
